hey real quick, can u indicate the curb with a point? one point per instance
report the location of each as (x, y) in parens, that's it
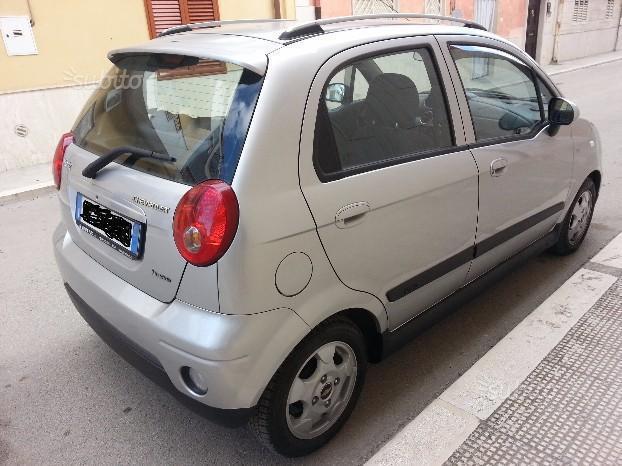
(27, 193)
(553, 72)
(443, 426)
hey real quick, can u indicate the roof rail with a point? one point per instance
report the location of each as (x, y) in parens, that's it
(213, 24)
(315, 27)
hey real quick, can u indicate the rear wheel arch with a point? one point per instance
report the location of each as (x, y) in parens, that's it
(269, 425)
(596, 178)
(370, 328)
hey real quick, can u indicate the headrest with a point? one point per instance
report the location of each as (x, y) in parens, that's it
(393, 100)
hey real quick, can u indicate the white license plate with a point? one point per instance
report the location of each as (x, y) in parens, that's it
(111, 228)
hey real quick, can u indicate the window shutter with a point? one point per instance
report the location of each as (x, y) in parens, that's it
(164, 14)
(201, 10)
(203, 68)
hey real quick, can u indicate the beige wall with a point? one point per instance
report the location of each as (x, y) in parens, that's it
(41, 91)
(255, 9)
(73, 38)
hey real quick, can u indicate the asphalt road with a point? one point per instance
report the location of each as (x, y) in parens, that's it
(65, 397)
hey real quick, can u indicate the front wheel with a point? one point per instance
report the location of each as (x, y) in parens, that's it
(314, 391)
(577, 221)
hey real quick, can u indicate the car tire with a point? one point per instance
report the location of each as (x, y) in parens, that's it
(314, 391)
(577, 221)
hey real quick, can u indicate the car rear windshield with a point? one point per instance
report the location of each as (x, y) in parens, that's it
(195, 111)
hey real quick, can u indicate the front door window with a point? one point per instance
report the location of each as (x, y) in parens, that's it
(500, 90)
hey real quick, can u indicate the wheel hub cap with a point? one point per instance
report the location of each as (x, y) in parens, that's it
(580, 218)
(328, 376)
(326, 391)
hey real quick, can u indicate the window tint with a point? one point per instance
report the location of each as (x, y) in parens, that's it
(197, 112)
(335, 93)
(393, 106)
(414, 69)
(360, 86)
(500, 90)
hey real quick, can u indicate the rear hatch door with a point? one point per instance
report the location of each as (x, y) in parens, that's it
(194, 111)
(127, 200)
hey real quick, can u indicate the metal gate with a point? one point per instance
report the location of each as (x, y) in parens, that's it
(371, 7)
(485, 13)
(434, 7)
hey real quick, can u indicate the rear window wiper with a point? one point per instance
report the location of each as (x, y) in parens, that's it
(90, 171)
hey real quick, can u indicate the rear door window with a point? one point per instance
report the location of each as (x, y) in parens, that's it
(197, 111)
(379, 111)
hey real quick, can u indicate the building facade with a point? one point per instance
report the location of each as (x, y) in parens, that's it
(549, 30)
(54, 51)
(570, 29)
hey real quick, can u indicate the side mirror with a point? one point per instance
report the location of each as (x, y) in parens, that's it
(562, 112)
(336, 92)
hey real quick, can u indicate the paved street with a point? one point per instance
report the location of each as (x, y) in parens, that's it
(66, 398)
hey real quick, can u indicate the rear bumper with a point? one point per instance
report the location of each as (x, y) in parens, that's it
(149, 366)
(237, 354)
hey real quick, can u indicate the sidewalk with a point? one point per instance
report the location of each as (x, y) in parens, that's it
(550, 392)
(581, 63)
(26, 182)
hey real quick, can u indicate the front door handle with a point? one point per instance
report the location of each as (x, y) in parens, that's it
(498, 166)
(351, 214)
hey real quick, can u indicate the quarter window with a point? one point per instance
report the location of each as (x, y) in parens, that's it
(500, 90)
(381, 109)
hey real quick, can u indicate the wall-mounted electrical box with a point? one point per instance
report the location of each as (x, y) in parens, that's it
(17, 35)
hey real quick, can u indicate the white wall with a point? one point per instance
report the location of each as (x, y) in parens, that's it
(577, 39)
(305, 11)
(46, 113)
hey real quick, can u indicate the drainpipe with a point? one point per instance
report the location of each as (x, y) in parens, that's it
(277, 9)
(558, 26)
(615, 46)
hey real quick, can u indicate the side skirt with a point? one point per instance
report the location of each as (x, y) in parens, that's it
(394, 340)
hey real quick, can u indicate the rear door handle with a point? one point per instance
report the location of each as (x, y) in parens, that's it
(351, 214)
(498, 166)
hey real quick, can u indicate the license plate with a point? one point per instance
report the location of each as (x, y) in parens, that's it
(111, 228)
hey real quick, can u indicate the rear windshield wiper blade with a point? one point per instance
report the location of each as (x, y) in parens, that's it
(90, 171)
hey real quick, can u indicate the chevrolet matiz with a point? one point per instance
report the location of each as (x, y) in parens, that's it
(254, 211)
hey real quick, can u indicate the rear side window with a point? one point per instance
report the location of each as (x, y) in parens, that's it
(197, 111)
(380, 110)
(500, 90)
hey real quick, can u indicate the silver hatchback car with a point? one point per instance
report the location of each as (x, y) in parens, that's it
(253, 211)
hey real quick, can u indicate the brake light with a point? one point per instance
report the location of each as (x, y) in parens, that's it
(205, 222)
(59, 155)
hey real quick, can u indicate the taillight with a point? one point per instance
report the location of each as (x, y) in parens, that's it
(59, 155)
(205, 222)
